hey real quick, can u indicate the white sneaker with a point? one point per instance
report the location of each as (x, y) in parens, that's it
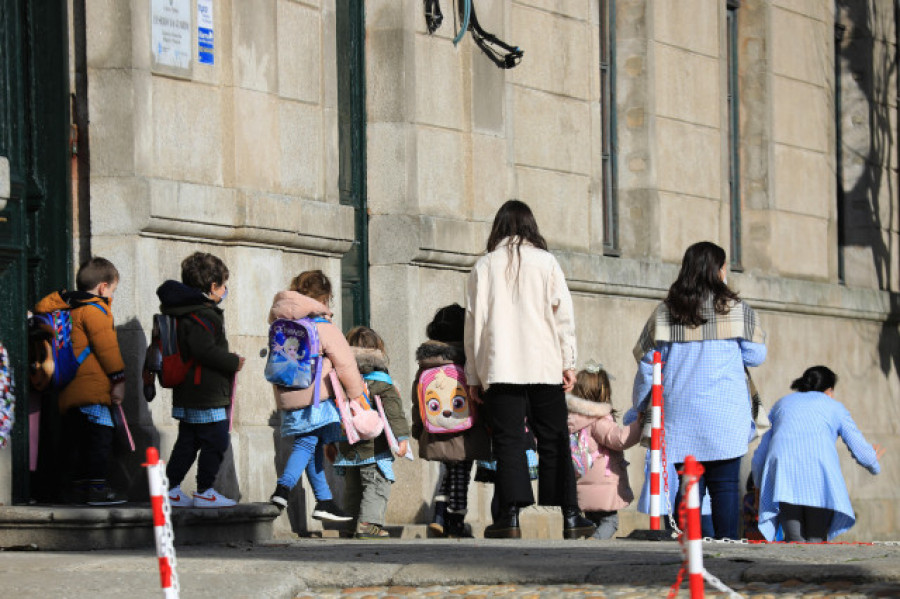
(212, 498)
(178, 498)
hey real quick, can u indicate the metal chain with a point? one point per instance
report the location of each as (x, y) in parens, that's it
(720, 585)
(665, 468)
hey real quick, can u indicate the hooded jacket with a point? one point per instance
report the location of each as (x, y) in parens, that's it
(605, 486)
(471, 444)
(371, 360)
(90, 325)
(291, 305)
(208, 384)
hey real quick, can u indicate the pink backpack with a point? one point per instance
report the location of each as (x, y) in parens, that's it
(444, 400)
(360, 421)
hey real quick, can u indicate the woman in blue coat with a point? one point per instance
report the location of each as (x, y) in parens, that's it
(796, 466)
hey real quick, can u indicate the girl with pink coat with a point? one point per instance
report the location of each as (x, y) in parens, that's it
(598, 445)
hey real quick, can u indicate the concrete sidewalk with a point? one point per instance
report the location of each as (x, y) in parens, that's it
(285, 569)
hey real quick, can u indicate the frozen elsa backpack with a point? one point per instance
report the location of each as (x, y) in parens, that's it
(444, 400)
(295, 355)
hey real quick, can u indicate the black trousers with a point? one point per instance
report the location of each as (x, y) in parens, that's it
(88, 446)
(211, 440)
(545, 407)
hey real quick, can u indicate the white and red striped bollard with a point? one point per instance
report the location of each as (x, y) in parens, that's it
(162, 526)
(693, 470)
(656, 441)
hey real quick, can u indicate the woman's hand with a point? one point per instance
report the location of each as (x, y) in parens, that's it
(568, 379)
(475, 394)
(879, 451)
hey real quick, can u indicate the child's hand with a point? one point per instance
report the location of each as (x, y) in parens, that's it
(879, 451)
(330, 452)
(241, 360)
(117, 393)
(402, 448)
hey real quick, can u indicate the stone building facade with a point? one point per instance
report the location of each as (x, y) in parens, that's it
(633, 128)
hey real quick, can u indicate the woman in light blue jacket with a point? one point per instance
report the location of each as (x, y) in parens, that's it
(796, 466)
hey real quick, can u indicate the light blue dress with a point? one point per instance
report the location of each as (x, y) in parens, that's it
(705, 397)
(797, 461)
(324, 418)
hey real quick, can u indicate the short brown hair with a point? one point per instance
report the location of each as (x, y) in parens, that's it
(95, 271)
(314, 284)
(365, 337)
(592, 386)
(201, 270)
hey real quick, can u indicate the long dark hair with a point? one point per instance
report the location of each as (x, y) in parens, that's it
(697, 280)
(515, 220)
(815, 378)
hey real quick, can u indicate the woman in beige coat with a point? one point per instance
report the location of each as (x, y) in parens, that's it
(520, 357)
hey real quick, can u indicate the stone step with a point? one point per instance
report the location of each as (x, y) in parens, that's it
(77, 528)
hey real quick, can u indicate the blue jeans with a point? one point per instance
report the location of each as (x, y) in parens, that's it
(307, 454)
(721, 477)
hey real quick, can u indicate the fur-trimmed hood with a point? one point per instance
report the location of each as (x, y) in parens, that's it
(368, 360)
(584, 413)
(436, 353)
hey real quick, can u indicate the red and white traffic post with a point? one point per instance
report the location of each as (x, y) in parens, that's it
(693, 470)
(656, 434)
(162, 524)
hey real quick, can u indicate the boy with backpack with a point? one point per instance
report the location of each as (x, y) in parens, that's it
(83, 323)
(200, 401)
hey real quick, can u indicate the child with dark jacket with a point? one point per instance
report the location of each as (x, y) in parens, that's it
(456, 451)
(201, 401)
(98, 384)
(367, 466)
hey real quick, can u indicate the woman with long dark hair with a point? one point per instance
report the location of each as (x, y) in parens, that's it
(707, 336)
(796, 466)
(520, 357)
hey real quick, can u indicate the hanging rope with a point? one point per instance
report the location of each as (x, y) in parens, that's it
(465, 9)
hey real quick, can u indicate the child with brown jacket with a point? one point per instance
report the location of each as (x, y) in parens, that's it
(456, 451)
(367, 466)
(99, 382)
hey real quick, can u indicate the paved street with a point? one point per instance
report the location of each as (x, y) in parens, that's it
(471, 568)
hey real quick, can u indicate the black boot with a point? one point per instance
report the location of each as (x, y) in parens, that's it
(456, 526)
(575, 525)
(438, 526)
(506, 526)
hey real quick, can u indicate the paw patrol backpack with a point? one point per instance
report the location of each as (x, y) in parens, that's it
(444, 400)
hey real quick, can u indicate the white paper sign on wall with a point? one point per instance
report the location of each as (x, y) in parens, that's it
(170, 33)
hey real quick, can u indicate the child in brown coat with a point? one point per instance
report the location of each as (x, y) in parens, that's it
(99, 382)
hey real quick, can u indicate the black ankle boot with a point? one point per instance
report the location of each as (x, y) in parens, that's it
(575, 525)
(456, 526)
(506, 526)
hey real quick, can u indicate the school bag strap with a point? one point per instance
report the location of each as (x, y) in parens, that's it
(80, 358)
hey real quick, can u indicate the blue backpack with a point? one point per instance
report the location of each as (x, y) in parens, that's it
(52, 360)
(295, 355)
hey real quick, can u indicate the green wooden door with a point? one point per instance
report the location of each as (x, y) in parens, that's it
(351, 75)
(35, 225)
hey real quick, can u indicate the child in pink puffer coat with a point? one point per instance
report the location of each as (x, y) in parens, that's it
(598, 445)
